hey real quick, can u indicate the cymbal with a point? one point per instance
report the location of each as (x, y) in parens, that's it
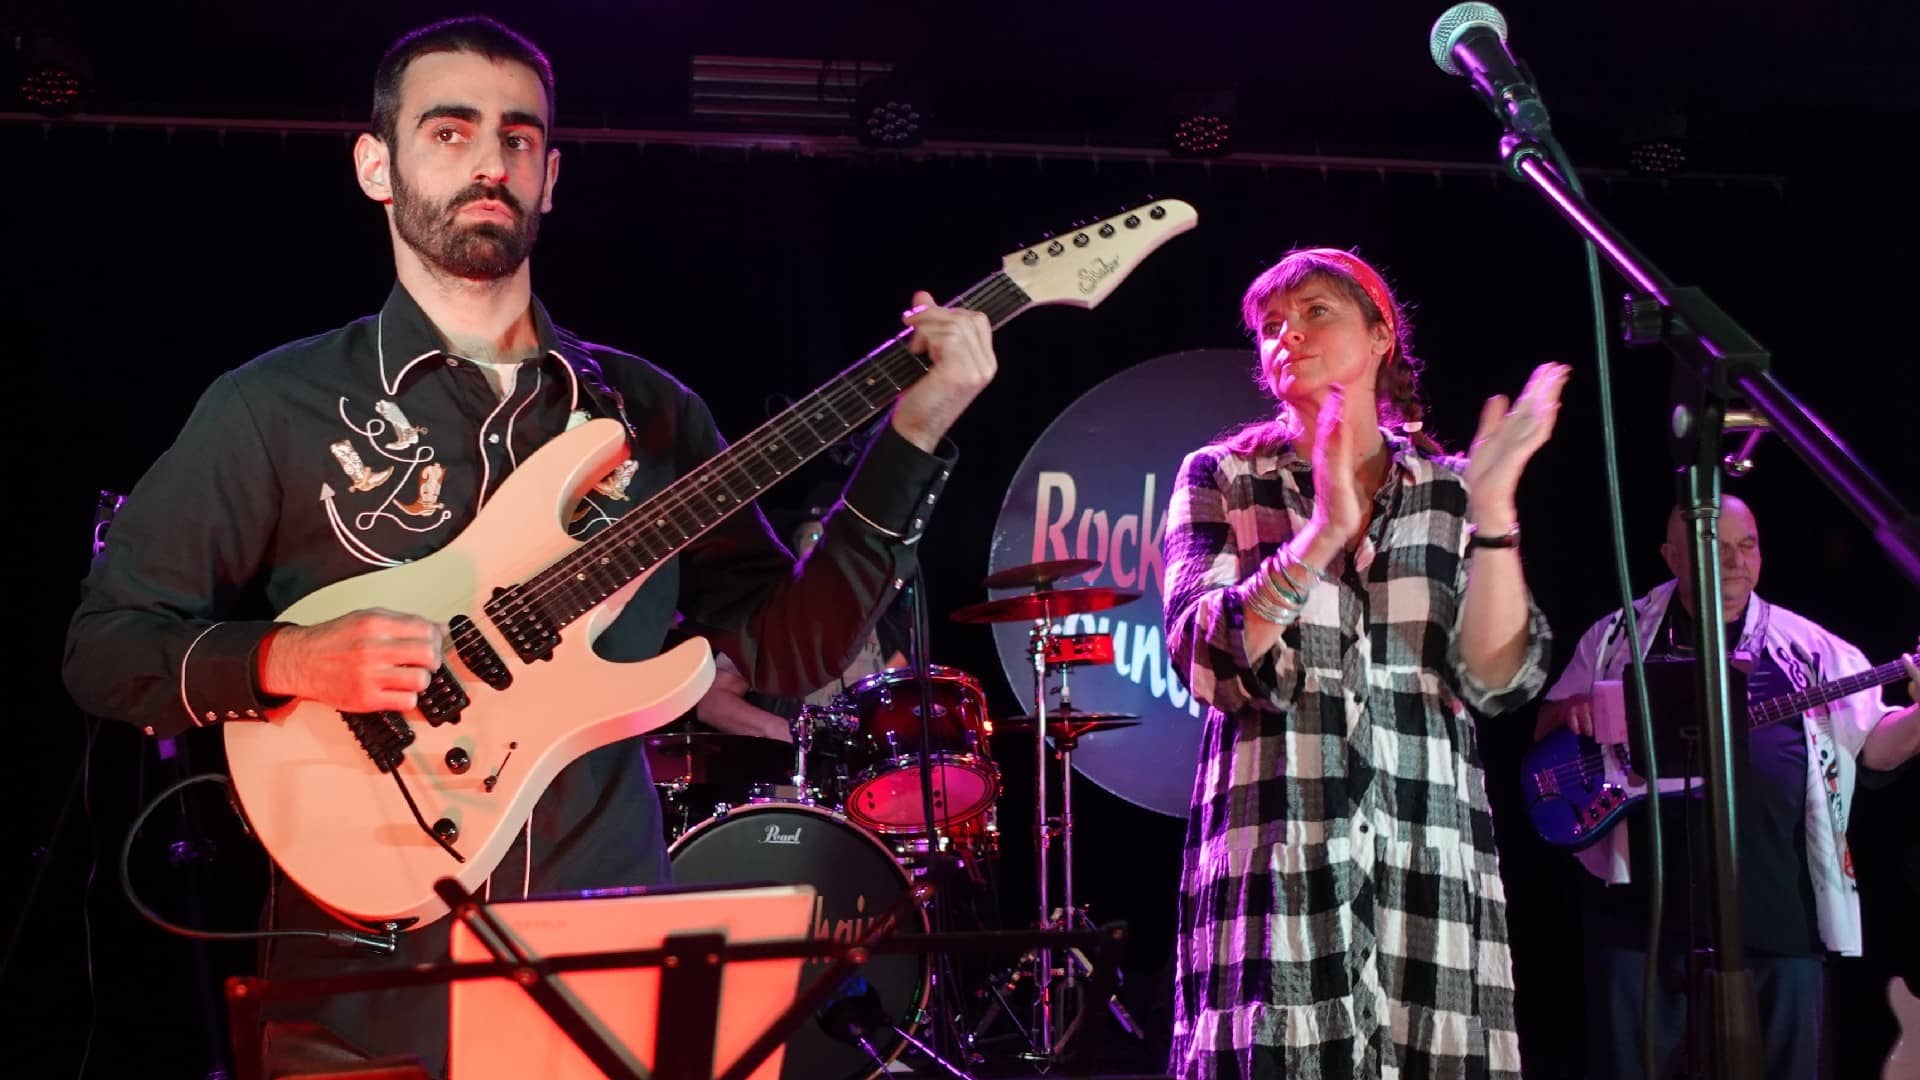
(1073, 724)
(1035, 575)
(1045, 604)
(697, 744)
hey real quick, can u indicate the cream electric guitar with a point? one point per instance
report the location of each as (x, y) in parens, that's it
(366, 811)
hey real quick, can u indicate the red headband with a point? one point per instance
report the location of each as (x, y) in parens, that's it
(1370, 283)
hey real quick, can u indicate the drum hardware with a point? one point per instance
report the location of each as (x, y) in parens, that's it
(1051, 651)
(834, 724)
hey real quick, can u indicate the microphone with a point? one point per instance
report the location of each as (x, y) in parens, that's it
(853, 1015)
(1471, 39)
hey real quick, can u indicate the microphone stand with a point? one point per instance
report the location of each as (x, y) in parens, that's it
(1723, 364)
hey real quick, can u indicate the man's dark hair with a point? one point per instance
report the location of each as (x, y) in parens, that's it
(475, 34)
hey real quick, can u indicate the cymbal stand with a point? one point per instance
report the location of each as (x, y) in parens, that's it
(1051, 1028)
(1043, 834)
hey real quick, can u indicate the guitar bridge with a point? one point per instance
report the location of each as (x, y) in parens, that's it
(385, 736)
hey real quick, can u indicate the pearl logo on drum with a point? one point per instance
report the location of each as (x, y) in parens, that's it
(775, 836)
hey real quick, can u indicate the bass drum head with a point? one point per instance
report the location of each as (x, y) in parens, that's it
(857, 881)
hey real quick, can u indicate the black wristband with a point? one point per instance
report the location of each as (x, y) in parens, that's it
(1508, 539)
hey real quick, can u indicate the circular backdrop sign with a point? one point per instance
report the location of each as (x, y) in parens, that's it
(1096, 486)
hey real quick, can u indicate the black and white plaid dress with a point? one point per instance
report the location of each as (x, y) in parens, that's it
(1341, 910)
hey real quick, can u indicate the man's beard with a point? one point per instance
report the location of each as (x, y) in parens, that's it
(486, 251)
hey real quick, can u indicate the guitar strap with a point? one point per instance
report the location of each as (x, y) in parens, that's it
(602, 400)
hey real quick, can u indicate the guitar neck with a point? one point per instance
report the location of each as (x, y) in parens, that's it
(1785, 706)
(700, 500)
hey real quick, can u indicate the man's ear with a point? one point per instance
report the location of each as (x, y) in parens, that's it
(553, 177)
(373, 168)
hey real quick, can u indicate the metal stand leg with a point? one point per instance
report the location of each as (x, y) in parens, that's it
(1043, 836)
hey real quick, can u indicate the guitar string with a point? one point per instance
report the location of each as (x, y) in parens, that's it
(834, 396)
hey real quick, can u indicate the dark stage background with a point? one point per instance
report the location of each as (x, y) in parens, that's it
(143, 262)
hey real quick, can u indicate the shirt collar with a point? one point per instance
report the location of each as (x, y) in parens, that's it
(404, 339)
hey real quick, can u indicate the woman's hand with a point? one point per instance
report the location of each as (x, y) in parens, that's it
(1338, 512)
(1506, 441)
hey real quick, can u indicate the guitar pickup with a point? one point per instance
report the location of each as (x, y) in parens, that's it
(443, 699)
(479, 656)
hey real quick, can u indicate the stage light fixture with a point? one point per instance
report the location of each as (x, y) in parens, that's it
(54, 78)
(891, 113)
(1659, 147)
(1203, 124)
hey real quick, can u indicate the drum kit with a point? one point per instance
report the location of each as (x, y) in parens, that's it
(849, 816)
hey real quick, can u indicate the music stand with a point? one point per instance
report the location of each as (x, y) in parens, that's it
(690, 983)
(496, 1033)
(1673, 689)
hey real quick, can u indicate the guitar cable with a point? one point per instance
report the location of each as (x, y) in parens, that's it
(384, 944)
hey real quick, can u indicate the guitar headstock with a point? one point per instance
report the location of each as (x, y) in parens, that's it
(1081, 265)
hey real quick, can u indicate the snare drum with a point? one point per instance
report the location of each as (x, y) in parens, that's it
(883, 753)
(858, 882)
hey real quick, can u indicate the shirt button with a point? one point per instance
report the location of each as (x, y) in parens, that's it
(494, 438)
(211, 717)
(232, 715)
(451, 362)
(1364, 827)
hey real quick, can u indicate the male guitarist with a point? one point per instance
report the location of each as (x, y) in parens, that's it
(1797, 893)
(377, 443)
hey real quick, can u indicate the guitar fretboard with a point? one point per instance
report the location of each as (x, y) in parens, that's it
(1791, 705)
(695, 503)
